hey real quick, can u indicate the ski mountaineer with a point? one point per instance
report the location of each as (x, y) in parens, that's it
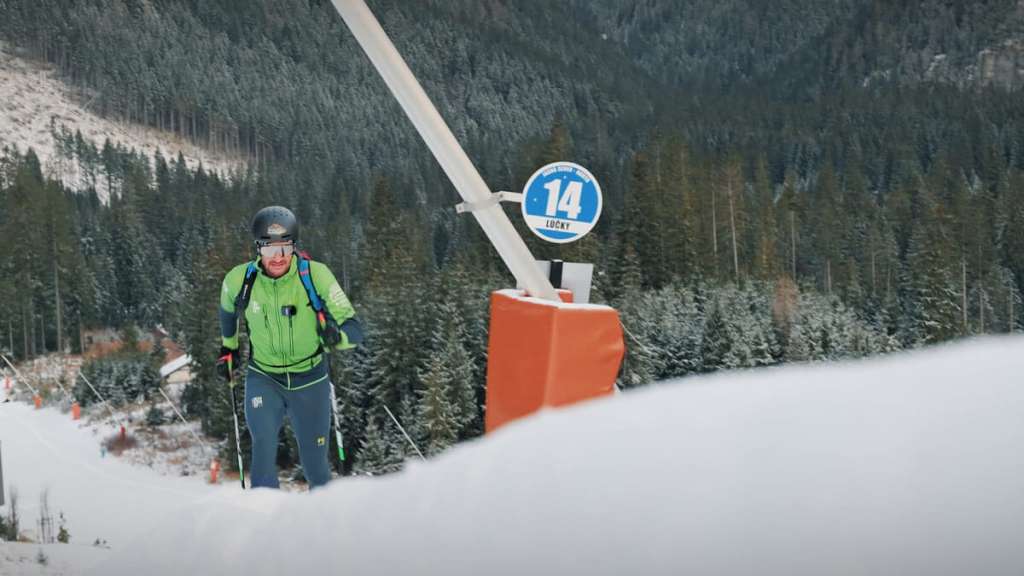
(291, 330)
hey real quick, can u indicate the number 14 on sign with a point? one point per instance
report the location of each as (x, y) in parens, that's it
(570, 200)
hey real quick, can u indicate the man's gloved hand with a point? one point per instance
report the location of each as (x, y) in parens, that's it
(227, 362)
(330, 333)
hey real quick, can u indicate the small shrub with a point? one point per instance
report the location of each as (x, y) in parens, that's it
(155, 417)
(63, 536)
(117, 445)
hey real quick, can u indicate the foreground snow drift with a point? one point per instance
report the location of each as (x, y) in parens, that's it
(905, 465)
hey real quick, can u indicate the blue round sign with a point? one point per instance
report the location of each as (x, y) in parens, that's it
(561, 202)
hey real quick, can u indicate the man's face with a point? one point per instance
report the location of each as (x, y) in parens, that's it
(276, 258)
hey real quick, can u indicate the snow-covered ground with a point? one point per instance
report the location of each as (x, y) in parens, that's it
(173, 448)
(908, 464)
(101, 496)
(48, 559)
(31, 98)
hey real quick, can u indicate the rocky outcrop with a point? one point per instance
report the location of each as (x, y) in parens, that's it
(1003, 66)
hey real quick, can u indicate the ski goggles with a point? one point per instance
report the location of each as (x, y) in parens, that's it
(272, 250)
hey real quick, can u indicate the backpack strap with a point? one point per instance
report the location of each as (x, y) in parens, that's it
(242, 299)
(326, 325)
(307, 282)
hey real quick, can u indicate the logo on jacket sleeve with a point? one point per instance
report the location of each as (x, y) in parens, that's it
(338, 297)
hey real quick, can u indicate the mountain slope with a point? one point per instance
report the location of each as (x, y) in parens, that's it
(35, 105)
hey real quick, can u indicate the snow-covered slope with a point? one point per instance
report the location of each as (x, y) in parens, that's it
(102, 497)
(910, 464)
(31, 98)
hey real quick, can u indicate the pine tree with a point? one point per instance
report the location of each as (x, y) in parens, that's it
(377, 452)
(933, 293)
(730, 190)
(155, 416)
(448, 406)
(716, 346)
(765, 264)
(436, 412)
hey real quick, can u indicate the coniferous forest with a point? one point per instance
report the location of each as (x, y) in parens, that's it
(785, 181)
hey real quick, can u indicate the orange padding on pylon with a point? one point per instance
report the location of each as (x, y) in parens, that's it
(542, 354)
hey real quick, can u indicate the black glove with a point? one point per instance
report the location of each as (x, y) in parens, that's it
(227, 363)
(330, 334)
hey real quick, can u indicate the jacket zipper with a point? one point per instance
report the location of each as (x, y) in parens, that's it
(266, 323)
(291, 336)
(280, 329)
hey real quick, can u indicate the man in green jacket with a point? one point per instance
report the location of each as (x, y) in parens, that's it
(292, 323)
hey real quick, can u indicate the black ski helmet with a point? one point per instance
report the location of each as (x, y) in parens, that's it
(275, 224)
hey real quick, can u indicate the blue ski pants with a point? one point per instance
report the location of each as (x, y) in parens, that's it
(306, 399)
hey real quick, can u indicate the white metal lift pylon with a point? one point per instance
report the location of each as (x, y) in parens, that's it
(563, 362)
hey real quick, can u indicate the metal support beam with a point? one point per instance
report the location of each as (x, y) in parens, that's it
(439, 138)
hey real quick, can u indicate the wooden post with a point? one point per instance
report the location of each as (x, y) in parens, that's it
(963, 291)
(792, 240)
(714, 226)
(732, 227)
(56, 285)
(1010, 293)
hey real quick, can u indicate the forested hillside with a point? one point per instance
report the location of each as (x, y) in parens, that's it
(783, 181)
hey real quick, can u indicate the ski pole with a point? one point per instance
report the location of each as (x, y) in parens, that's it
(337, 424)
(234, 415)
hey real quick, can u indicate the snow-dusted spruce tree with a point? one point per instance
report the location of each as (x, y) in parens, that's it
(823, 328)
(674, 328)
(437, 417)
(398, 324)
(447, 399)
(738, 327)
(121, 378)
(155, 416)
(933, 292)
(460, 337)
(378, 452)
(716, 345)
(750, 318)
(640, 363)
